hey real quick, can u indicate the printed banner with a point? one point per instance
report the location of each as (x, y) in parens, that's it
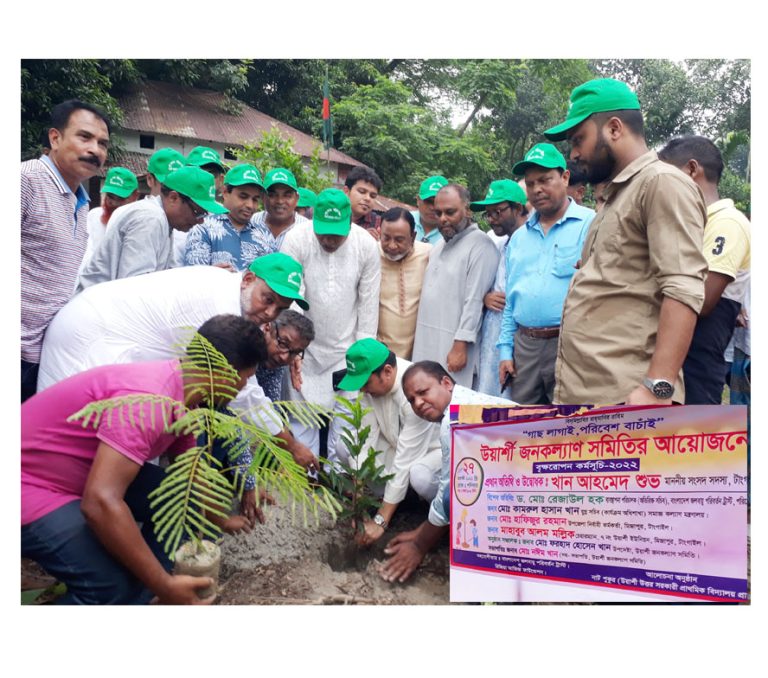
(651, 500)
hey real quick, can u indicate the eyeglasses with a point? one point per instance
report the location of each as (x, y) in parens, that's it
(284, 346)
(196, 209)
(495, 214)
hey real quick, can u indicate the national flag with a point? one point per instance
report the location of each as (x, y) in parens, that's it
(327, 123)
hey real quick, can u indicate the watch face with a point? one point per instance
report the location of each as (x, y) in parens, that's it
(663, 390)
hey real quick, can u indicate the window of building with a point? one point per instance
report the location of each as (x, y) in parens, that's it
(146, 141)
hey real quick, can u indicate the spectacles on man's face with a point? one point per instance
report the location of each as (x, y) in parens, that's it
(495, 214)
(284, 347)
(197, 211)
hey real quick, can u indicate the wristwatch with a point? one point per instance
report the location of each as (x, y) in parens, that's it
(661, 388)
(379, 520)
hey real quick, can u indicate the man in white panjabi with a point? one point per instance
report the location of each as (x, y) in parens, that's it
(342, 276)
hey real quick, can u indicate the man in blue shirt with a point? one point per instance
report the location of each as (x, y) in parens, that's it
(229, 240)
(541, 259)
(425, 217)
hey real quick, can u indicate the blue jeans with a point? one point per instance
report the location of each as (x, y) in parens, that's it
(28, 379)
(65, 546)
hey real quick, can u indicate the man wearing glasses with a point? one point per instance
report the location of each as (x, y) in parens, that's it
(505, 212)
(540, 261)
(287, 338)
(140, 235)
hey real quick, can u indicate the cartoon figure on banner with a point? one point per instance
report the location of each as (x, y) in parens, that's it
(475, 539)
(464, 543)
(458, 534)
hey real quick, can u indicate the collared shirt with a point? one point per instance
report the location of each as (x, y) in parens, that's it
(146, 317)
(539, 268)
(263, 235)
(138, 241)
(431, 238)
(438, 511)
(459, 273)
(401, 283)
(217, 241)
(53, 241)
(370, 222)
(401, 437)
(727, 246)
(644, 245)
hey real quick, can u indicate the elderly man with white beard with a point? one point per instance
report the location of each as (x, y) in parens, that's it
(403, 262)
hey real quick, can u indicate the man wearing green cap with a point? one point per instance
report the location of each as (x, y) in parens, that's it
(425, 218)
(140, 237)
(630, 314)
(143, 317)
(306, 202)
(279, 215)
(342, 277)
(505, 211)
(120, 188)
(460, 272)
(208, 159)
(409, 446)
(228, 240)
(540, 262)
(161, 163)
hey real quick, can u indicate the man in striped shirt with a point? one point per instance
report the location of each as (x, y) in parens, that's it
(54, 210)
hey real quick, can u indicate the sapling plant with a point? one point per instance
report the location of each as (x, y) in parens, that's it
(353, 480)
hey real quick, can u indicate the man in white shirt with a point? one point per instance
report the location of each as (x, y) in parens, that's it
(144, 317)
(342, 278)
(120, 188)
(431, 391)
(409, 446)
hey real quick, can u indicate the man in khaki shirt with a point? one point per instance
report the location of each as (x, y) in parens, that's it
(403, 262)
(629, 316)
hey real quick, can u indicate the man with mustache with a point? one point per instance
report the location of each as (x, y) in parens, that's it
(629, 316)
(120, 188)
(54, 210)
(426, 221)
(540, 262)
(227, 240)
(460, 271)
(279, 215)
(140, 236)
(363, 185)
(403, 262)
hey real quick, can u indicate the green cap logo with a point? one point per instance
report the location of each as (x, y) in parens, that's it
(351, 367)
(212, 192)
(332, 214)
(250, 174)
(209, 155)
(116, 181)
(295, 279)
(535, 153)
(175, 164)
(279, 176)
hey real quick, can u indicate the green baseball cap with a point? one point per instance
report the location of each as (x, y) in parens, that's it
(541, 155)
(203, 155)
(307, 198)
(595, 96)
(280, 175)
(120, 181)
(242, 175)
(363, 358)
(499, 191)
(333, 213)
(282, 273)
(164, 161)
(197, 185)
(431, 185)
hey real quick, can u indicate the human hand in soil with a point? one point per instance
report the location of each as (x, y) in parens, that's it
(251, 507)
(370, 534)
(181, 589)
(237, 524)
(406, 556)
(295, 369)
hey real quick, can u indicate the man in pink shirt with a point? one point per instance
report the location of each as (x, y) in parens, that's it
(84, 488)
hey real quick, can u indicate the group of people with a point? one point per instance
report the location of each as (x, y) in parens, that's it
(634, 302)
